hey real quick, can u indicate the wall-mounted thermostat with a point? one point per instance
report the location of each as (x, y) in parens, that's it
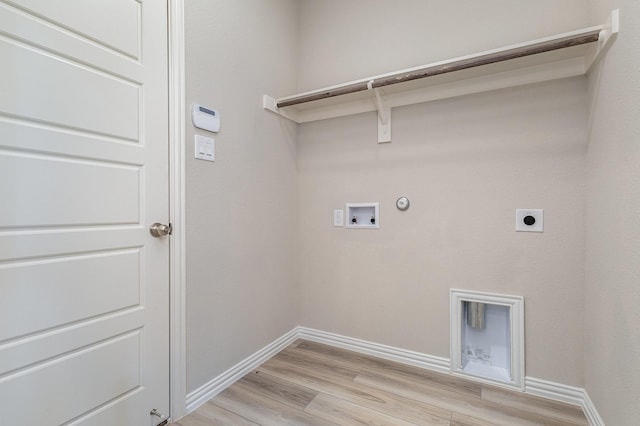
(205, 118)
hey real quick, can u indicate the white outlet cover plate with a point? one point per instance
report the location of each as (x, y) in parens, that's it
(538, 215)
(338, 218)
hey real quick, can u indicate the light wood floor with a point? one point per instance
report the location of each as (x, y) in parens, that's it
(313, 384)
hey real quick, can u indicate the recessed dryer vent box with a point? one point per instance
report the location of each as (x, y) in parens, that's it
(487, 337)
(362, 215)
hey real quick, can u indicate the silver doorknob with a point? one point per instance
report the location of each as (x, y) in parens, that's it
(160, 230)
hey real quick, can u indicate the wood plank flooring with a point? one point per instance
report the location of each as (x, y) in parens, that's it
(313, 384)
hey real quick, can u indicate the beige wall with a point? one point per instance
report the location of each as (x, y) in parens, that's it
(465, 163)
(343, 40)
(241, 210)
(612, 317)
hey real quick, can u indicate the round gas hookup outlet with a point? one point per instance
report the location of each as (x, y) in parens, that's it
(402, 203)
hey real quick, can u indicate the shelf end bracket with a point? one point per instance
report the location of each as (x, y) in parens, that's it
(607, 35)
(271, 104)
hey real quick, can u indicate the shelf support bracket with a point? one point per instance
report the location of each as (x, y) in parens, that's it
(607, 35)
(384, 115)
(271, 104)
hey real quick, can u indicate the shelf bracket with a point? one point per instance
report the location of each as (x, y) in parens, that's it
(607, 35)
(384, 115)
(271, 104)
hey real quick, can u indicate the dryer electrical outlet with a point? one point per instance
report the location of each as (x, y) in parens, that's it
(530, 220)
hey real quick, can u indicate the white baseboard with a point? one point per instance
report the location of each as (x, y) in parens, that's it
(207, 391)
(564, 393)
(390, 353)
(543, 388)
(590, 411)
(555, 391)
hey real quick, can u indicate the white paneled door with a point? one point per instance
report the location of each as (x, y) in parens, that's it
(84, 287)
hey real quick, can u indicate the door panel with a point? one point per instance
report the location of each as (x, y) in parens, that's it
(92, 20)
(55, 386)
(107, 282)
(84, 165)
(94, 193)
(101, 102)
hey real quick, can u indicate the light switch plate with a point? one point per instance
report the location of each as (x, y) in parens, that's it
(204, 148)
(338, 218)
(530, 220)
